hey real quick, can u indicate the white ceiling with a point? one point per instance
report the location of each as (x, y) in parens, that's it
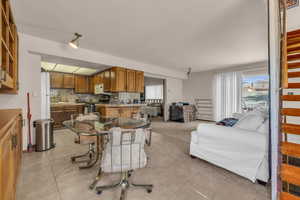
(202, 34)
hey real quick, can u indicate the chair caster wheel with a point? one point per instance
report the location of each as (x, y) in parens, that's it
(99, 192)
(149, 190)
(72, 160)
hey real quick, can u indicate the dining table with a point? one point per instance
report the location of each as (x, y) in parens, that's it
(100, 128)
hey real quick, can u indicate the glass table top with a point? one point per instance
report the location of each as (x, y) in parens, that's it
(103, 125)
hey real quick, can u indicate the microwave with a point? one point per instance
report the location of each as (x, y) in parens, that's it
(99, 88)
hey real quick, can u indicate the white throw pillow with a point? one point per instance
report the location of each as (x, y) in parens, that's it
(251, 121)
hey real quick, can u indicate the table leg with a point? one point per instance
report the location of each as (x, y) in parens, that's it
(97, 178)
(98, 152)
(99, 173)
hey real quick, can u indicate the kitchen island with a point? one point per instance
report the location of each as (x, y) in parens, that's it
(118, 110)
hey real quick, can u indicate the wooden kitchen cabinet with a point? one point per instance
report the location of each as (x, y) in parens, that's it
(139, 82)
(118, 79)
(10, 152)
(8, 51)
(56, 80)
(98, 78)
(118, 111)
(68, 81)
(106, 81)
(91, 85)
(125, 112)
(130, 80)
(81, 84)
(61, 113)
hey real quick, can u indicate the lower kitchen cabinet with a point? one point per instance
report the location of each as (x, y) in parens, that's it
(10, 152)
(59, 114)
(125, 112)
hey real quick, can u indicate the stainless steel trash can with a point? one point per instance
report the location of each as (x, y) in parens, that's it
(44, 134)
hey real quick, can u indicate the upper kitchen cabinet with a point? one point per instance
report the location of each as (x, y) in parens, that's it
(91, 84)
(98, 78)
(118, 79)
(82, 84)
(8, 51)
(56, 80)
(69, 81)
(106, 80)
(130, 80)
(139, 82)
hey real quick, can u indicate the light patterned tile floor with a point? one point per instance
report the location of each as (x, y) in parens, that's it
(51, 176)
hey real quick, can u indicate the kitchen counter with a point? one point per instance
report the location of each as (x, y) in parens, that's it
(119, 105)
(66, 104)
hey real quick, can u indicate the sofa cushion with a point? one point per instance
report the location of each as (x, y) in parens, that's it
(264, 127)
(251, 121)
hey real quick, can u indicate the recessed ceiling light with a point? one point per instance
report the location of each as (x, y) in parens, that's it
(74, 43)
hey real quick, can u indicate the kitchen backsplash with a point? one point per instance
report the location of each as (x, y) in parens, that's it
(68, 95)
(126, 97)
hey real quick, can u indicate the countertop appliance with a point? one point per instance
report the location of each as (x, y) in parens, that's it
(99, 88)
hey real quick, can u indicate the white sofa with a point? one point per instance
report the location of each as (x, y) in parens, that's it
(244, 152)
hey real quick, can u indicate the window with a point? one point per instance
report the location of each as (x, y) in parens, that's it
(154, 92)
(255, 90)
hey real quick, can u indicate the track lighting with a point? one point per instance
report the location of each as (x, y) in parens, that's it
(74, 43)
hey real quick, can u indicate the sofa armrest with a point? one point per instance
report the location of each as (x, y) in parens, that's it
(194, 137)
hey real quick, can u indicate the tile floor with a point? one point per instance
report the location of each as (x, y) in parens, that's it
(51, 176)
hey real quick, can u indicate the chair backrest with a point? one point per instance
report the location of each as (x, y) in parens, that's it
(124, 150)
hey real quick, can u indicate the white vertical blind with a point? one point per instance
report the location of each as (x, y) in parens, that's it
(154, 91)
(228, 89)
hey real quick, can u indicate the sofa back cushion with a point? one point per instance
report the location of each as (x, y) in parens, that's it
(251, 121)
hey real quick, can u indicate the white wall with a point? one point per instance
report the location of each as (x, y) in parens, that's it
(199, 85)
(293, 16)
(153, 81)
(30, 49)
(29, 81)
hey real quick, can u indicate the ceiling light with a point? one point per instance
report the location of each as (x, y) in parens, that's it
(74, 43)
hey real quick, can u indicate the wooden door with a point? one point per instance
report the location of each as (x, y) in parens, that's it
(81, 84)
(106, 81)
(121, 80)
(97, 79)
(58, 116)
(112, 112)
(69, 82)
(130, 80)
(125, 112)
(7, 167)
(139, 81)
(91, 85)
(56, 80)
(19, 143)
(118, 79)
